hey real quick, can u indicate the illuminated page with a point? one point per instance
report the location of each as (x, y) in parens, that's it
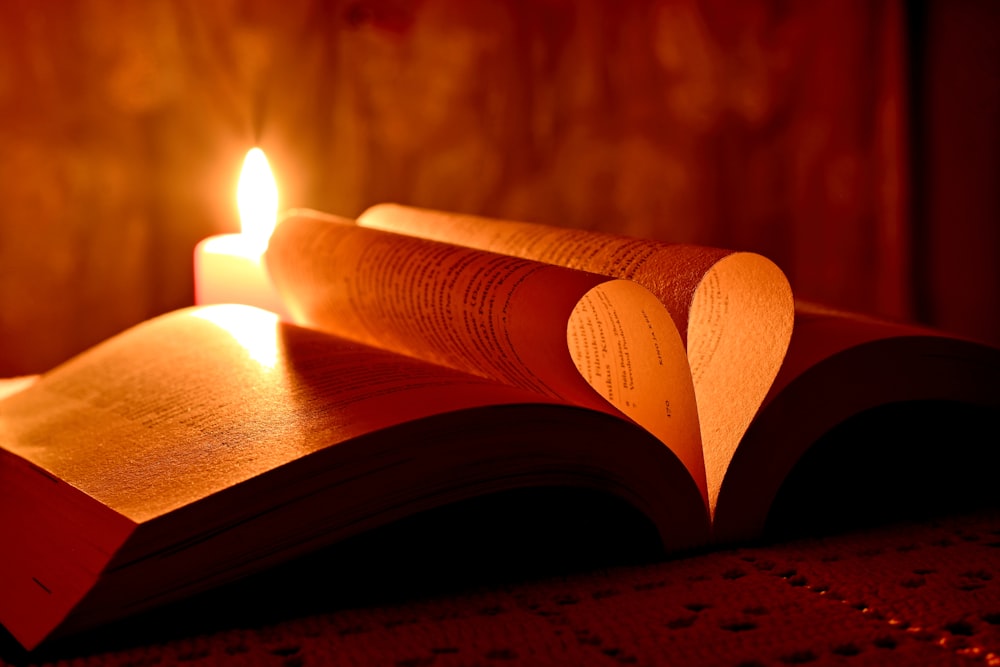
(195, 402)
(733, 309)
(10, 386)
(173, 412)
(586, 339)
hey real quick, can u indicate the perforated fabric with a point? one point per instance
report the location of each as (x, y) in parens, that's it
(920, 593)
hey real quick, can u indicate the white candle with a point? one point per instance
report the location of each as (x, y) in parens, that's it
(229, 268)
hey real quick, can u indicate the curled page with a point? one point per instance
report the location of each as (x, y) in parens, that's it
(734, 310)
(582, 338)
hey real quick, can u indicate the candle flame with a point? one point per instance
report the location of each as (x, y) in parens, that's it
(257, 197)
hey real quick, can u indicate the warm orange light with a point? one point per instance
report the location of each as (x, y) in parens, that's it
(257, 198)
(255, 330)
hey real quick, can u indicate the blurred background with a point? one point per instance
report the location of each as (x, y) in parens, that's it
(855, 142)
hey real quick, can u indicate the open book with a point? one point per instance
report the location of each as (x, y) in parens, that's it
(432, 358)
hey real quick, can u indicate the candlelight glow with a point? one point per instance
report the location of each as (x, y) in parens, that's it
(255, 330)
(257, 197)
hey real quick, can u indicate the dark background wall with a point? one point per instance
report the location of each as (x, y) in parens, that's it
(854, 142)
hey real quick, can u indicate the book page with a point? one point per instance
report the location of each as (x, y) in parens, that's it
(733, 309)
(578, 337)
(196, 401)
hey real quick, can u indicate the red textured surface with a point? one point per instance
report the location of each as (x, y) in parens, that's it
(919, 593)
